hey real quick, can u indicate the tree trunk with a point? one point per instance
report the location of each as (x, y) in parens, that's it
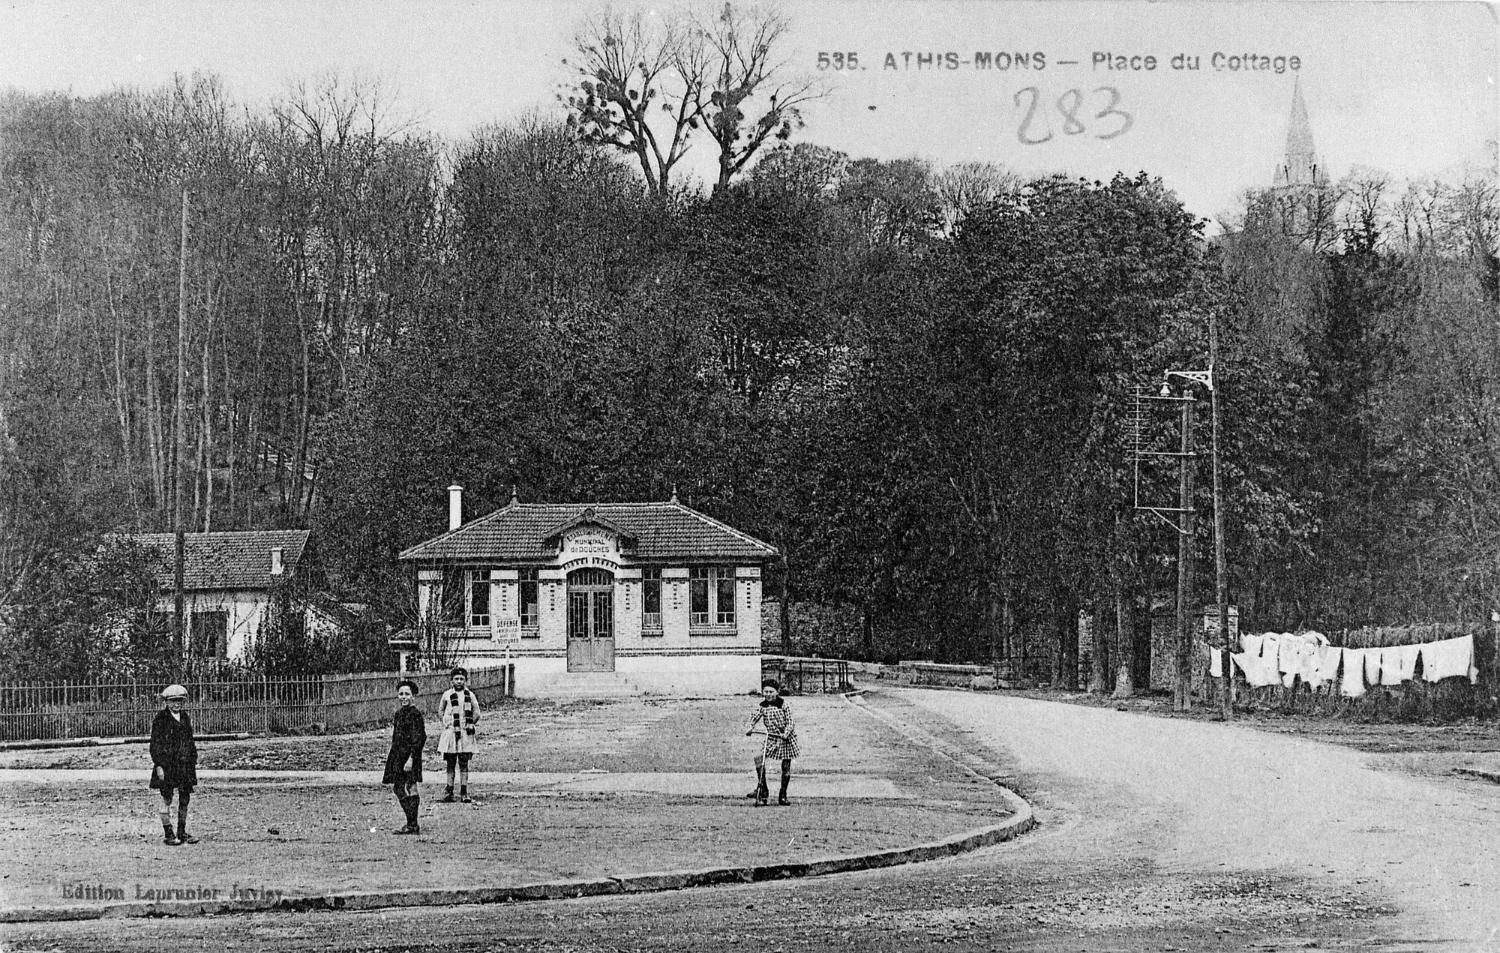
(231, 410)
(122, 393)
(994, 623)
(153, 420)
(1068, 640)
(206, 437)
(1101, 637)
(1124, 643)
(304, 427)
(786, 599)
(868, 624)
(1142, 636)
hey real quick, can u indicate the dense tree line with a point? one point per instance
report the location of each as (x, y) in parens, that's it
(915, 381)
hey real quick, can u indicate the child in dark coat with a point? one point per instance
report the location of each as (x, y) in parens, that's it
(408, 736)
(174, 763)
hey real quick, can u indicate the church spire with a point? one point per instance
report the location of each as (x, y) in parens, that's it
(1300, 166)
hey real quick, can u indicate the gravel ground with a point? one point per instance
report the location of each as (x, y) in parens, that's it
(296, 837)
(1157, 834)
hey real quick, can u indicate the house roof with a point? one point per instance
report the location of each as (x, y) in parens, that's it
(661, 531)
(227, 560)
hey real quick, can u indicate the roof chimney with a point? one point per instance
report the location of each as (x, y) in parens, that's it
(276, 565)
(455, 507)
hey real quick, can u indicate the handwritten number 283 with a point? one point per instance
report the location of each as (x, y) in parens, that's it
(1068, 106)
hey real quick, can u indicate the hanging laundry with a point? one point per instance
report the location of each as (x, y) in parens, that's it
(1354, 672)
(1329, 658)
(1390, 665)
(1258, 671)
(1287, 648)
(1448, 658)
(1289, 658)
(1333, 660)
(1270, 650)
(1310, 664)
(1372, 666)
(1215, 659)
(1315, 636)
(1250, 644)
(1406, 656)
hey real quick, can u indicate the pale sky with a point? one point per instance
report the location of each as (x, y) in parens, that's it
(1406, 88)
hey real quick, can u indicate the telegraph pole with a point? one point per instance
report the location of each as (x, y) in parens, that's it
(179, 438)
(1180, 391)
(1182, 694)
(1221, 582)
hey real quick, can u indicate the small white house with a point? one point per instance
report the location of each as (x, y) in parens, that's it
(659, 593)
(229, 581)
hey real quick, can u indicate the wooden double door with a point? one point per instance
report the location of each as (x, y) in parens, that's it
(591, 621)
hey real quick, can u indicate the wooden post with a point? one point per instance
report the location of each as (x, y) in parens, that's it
(179, 436)
(1182, 695)
(1221, 581)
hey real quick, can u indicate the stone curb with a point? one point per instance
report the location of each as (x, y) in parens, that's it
(1021, 820)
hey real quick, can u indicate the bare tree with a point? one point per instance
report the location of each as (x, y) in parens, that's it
(645, 86)
(805, 170)
(966, 186)
(747, 96)
(629, 70)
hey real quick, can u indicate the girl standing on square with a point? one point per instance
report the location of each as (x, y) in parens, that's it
(781, 740)
(403, 765)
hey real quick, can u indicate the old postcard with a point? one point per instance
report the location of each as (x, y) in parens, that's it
(780, 465)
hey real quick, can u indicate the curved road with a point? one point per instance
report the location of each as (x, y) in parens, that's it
(1219, 797)
(1157, 834)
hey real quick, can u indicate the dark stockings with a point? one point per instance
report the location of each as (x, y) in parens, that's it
(182, 810)
(410, 803)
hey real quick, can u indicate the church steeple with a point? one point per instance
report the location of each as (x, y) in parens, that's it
(1300, 165)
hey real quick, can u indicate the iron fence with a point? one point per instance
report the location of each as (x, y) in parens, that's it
(803, 676)
(308, 703)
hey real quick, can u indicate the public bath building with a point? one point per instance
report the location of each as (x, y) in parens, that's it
(659, 593)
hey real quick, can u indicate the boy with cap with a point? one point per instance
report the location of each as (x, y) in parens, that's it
(458, 713)
(174, 763)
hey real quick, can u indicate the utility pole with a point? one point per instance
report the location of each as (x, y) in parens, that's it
(1221, 582)
(1182, 694)
(179, 438)
(1180, 391)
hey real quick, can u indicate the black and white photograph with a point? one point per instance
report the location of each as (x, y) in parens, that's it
(750, 476)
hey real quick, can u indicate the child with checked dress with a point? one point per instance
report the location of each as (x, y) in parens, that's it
(775, 718)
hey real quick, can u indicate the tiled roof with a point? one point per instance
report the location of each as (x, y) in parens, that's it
(227, 560)
(662, 531)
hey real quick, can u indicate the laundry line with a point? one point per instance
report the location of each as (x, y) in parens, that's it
(1284, 658)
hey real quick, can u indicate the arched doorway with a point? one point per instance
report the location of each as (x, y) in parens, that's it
(591, 621)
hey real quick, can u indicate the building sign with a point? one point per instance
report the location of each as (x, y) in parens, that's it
(1211, 622)
(591, 541)
(507, 630)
